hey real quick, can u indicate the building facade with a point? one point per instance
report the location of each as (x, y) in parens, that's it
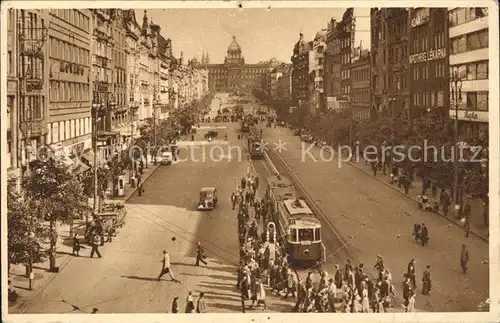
(284, 90)
(316, 72)
(360, 96)
(300, 73)
(332, 73)
(234, 74)
(390, 69)
(468, 33)
(275, 75)
(429, 61)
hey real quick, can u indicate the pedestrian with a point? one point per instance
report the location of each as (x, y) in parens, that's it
(407, 292)
(76, 245)
(464, 258)
(189, 303)
(243, 183)
(233, 200)
(140, 189)
(200, 304)
(423, 234)
(261, 294)
(165, 269)
(374, 167)
(338, 277)
(347, 269)
(95, 242)
(445, 202)
(410, 273)
(301, 296)
(94, 310)
(175, 305)
(406, 184)
(290, 288)
(426, 281)
(365, 301)
(200, 254)
(379, 265)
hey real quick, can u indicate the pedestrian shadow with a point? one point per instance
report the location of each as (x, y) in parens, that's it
(228, 307)
(209, 276)
(141, 278)
(223, 298)
(211, 286)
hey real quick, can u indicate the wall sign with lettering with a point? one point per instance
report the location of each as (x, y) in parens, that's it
(431, 55)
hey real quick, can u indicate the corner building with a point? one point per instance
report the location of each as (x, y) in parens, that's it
(234, 74)
(468, 32)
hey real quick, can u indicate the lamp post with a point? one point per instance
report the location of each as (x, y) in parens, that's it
(456, 98)
(97, 112)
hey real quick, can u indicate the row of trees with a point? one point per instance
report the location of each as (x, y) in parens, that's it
(50, 194)
(433, 130)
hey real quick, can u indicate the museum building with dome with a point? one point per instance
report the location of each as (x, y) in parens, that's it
(234, 74)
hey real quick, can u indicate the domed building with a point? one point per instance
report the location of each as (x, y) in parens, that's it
(234, 74)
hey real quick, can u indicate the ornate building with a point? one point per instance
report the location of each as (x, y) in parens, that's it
(300, 73)
(234, 74)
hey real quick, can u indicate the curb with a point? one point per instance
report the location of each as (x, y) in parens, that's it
(414, 199)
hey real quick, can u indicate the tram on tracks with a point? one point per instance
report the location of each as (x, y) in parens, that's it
(298, 227)
(255, 147)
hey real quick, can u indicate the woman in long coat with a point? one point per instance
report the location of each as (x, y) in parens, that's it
(365, 301)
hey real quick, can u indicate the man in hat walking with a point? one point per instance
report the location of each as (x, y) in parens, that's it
(166, 267)
(464, 258)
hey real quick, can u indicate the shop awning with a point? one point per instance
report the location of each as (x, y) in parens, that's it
(80, 168)
(89, 156)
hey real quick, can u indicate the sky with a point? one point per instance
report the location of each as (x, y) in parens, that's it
(262, 34)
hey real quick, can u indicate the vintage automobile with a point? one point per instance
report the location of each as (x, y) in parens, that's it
(208, 198)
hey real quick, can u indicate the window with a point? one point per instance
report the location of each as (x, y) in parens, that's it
(317, 234)
(55, 132)
(440, 99)
(293, 235)
(471, 71)
(482, 70)
(61, 131)
(471, 101)
(77, 127)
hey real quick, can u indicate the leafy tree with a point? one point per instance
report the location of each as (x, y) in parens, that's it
(55, 194)
(26, 232)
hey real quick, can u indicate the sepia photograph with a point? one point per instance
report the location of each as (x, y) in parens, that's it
(249, 157)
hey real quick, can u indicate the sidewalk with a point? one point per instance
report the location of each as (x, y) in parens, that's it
(477, 226)
(42, 276)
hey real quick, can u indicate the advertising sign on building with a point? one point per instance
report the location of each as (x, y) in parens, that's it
(420, 17)
(431, 55)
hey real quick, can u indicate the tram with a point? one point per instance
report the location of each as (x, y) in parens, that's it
(297, 225)
(255, 147)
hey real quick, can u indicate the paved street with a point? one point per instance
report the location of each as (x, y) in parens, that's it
(377, 220)
(164, 218)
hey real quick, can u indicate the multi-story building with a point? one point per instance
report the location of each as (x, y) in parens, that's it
(146, 77)
(165, 59)
(284, 90)
(389, 59)
(11, 161)
(275, 74)
(120, 115)
(360, 84)
(332, 74)
(234, 74)
(429, 70)
(132, 52)
(468, 33)
(27, 85)
(316, 72)
(300, 73)
(70, 96)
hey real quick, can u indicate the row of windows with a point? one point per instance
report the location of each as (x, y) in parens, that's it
(346, 89)
(346, 74)
(469, 42)
(361, 74)
(68, 91)
(423, 43)
(460, 16)
(32, 107)
(428, 99)
(68, 52)
(398, 82)
(360, 95)
(398, 53)
(120, 58)
(73, 16)
(63, 130)
(421, 71)
(471, 71)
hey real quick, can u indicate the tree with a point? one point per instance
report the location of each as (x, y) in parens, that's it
(55, 194)
(26, 233)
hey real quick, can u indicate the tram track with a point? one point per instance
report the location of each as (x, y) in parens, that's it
(338, 250)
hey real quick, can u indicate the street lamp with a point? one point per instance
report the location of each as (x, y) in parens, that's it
(97, 113)
(456, 98)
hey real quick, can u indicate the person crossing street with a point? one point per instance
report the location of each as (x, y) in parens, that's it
(200, 254)
(166, 269)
